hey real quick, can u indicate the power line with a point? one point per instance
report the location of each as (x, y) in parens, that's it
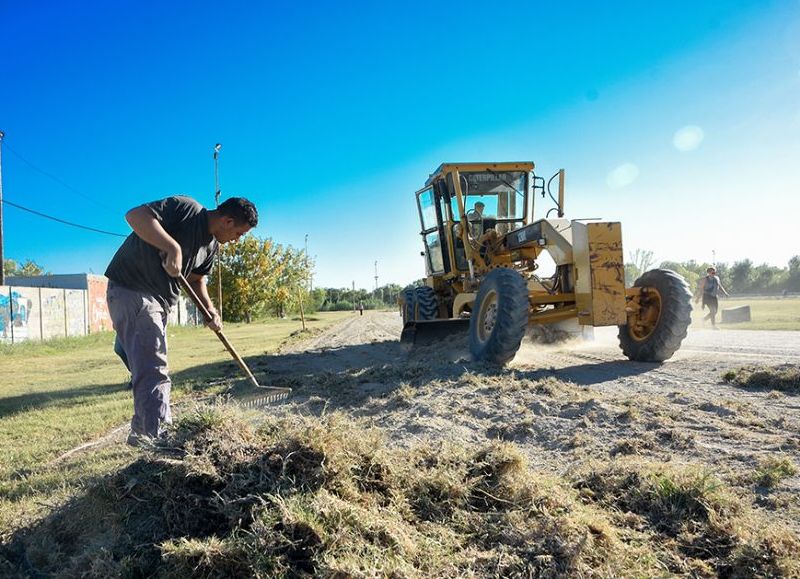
(52, 177)
(7, 202)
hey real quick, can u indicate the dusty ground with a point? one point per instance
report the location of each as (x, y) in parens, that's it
(563, 404)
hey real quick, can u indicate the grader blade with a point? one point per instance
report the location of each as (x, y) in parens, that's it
(429, 332)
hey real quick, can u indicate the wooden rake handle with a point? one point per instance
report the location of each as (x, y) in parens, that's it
(208, 317)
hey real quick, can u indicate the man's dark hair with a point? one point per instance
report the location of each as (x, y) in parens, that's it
(241, 210)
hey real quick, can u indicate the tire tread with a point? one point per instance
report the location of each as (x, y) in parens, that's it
(672, 328)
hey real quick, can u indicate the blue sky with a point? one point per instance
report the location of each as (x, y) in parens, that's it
(680, 119)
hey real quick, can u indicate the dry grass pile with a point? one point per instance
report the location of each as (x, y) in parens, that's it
(325, 497)
(321, 497)
(703, 528)
(785, 377)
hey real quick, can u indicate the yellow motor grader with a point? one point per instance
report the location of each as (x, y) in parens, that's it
(482, 251)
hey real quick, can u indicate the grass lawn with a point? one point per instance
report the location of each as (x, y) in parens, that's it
(765, 313)
(57, 395)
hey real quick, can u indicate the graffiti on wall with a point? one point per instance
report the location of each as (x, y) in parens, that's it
(99, 319)
(15, 312)
(42, 313)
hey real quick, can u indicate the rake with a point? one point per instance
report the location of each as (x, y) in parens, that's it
(267, 394)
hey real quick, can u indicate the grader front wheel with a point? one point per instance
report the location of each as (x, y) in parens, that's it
(660, 316)
(499, 316)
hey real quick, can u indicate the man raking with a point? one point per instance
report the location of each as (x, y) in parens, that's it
(172, 236)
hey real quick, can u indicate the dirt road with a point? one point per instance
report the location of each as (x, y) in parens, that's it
(563, 404)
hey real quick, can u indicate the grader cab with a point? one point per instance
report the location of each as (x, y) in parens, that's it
(482, 250)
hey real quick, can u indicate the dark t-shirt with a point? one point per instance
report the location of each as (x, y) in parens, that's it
(137, 264)
(712, 286)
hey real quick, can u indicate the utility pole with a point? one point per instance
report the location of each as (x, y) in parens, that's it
(714, 257)
(217, 147)
(354, 296)
(376, 285)
(2, 262)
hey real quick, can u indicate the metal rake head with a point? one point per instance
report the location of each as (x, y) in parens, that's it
(265, 396)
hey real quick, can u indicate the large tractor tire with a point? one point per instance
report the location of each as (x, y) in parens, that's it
(427, 304)
(666, 312)
(499, 316)
(410, 305)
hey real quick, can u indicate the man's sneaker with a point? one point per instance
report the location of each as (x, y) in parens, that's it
(141, 440)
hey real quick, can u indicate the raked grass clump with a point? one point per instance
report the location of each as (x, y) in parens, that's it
(784, 378)
(702, 526)
(771, 470)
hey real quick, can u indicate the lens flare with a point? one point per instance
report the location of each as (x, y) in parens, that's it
(688, 138)
(622, 176)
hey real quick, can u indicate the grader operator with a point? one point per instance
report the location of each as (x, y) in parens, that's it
(482, 247)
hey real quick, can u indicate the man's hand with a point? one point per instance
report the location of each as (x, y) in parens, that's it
(216, 322)
(173, 261)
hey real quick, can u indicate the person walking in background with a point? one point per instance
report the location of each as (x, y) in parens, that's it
(709, 289)
(361, 308)
(170, 237)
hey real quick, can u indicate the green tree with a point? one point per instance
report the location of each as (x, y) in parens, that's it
(768, 278)
(741, 279)
(639, 261)
(389, 292)
(318, 298)
(291, 272)
(793, 279)
(27, 269)
(259, 275)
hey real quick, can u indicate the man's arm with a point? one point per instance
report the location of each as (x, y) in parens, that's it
(722, 289)
(198, 283)
(700, 289)
(146, 225)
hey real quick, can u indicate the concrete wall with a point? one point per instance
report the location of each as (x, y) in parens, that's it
(43, 313)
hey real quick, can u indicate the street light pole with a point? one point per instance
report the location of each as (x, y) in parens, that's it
(217, 148)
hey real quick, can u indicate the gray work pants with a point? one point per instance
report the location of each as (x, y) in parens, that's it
(141, 325)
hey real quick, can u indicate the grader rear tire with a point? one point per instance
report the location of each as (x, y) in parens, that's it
(499, 316)
(427, 304)
(666, 315)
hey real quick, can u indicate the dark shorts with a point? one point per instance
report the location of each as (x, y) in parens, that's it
(710, 302)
